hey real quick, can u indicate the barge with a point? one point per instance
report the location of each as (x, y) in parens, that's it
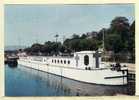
(84, 66)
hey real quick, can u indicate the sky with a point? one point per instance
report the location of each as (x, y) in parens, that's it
(28, 24)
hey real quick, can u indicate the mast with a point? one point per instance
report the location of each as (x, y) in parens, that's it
(104, 43)
(56, 36)
(103, 40)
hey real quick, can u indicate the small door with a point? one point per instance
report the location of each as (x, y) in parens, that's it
(97, 55)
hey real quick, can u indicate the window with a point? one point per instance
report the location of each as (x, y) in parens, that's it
(64, 61)
(58, 61)
(55, 61)
(52, 60)
(86, 59)
(68, 62)
(61, 62)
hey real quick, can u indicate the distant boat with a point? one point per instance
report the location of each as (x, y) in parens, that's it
(11, 61)
(84, 66)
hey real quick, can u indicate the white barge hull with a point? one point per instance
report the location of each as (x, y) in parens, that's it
(100, 76)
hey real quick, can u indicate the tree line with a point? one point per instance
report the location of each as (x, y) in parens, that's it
(118, 38)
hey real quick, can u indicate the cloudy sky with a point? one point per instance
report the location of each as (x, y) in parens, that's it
(27, 24)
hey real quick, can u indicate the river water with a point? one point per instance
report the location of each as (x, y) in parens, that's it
(23, 81)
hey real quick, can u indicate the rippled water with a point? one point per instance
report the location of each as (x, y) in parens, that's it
(22, 81)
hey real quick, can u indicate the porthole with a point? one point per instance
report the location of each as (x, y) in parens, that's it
(57, 61)
(52, 60)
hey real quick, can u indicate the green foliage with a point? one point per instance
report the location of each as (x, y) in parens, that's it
(114, 43)
(119, 37)
(82, 43)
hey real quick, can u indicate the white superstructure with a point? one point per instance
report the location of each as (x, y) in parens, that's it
(85, 66)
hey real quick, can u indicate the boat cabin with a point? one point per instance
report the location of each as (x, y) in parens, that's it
(87, 59)
(81, 60)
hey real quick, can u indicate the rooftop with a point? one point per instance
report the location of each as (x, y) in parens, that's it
(86, 52)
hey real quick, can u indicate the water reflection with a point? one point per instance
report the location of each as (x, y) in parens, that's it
(12, 65)
(29, 82)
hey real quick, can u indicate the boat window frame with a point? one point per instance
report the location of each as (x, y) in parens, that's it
(61, 61)
(86, 60)
(64, 61)
(68, 61)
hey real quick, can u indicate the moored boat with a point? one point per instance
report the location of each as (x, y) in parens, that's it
(84, 66)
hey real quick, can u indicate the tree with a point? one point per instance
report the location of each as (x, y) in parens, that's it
(83, 36)
(36, 47)
(75, 36)
(131, 45)
(114, 43)
(120, 25)
(118, 35)
(52, 47)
